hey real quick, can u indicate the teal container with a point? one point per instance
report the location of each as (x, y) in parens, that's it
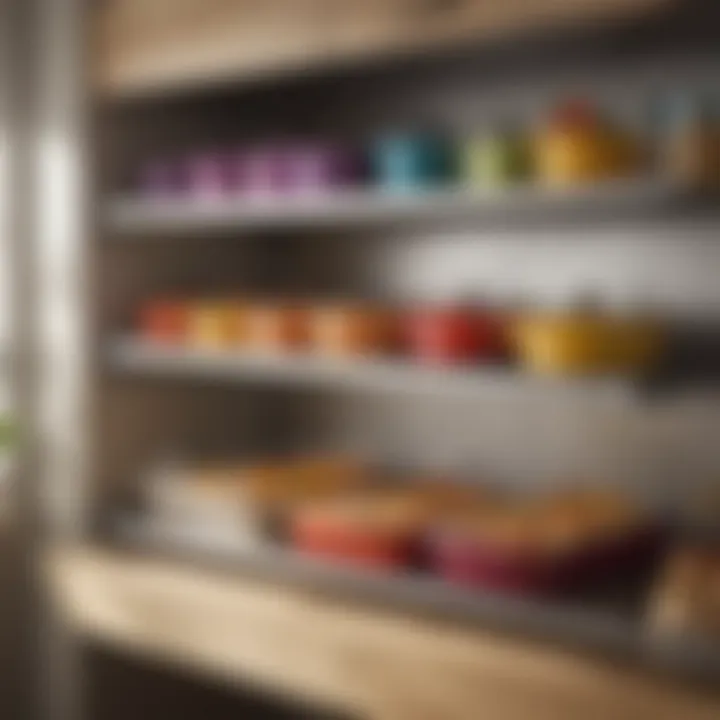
(412, 161)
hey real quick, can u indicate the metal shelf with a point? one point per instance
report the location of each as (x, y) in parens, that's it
(402, 377)
(604, 625)
(612, 624)
(141, 217)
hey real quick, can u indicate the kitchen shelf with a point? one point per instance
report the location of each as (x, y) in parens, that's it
(134, 216)
(137, 356)
(611, 623)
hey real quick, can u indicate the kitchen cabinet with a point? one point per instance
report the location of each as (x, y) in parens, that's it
(371, 662)
(420, 24)
(139, 43)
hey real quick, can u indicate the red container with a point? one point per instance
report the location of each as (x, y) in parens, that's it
(456, 334)
(356, 546)
(382, 529)
(164, 321)
(466, 561)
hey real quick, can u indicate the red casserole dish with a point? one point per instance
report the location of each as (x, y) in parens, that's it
(356, 546)
(537, 555)
(463, 561)
(376, 532)
(378, 529)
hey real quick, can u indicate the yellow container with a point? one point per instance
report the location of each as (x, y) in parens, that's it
(563, 344)
(639, 344)
(586, 343)
(570, 156)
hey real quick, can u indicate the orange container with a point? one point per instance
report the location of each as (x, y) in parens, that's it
(277, 326)
(164, 321)
(217, 324)
(345, 330)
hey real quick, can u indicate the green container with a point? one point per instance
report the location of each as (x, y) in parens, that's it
(495, 160)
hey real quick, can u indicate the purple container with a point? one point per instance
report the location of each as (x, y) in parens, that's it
(162, 179)
(210, 175)
(258, 172)
(320, 168)
(295, 169)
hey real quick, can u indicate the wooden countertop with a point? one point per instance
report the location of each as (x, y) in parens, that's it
(374, 664)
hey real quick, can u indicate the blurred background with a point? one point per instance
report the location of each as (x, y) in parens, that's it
(360, 359)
